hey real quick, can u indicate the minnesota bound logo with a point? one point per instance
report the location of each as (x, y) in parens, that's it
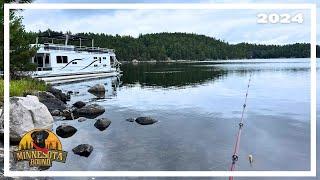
(40, 147)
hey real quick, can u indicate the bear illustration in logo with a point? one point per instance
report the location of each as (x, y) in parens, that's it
(39, 140)
(40, 147)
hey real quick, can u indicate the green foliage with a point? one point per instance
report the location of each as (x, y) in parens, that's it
(164, 46)
(20, 51)
(22, 86)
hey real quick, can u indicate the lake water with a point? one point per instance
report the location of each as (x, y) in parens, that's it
(198, 106)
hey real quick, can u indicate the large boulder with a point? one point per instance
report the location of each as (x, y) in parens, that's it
(145, 120)
(83, 150)
(102, 124)
(89, 111)
(27, 113)
(65, 131)
(59, 94)
(51, 101)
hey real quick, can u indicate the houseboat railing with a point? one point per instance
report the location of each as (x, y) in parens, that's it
(63, 47)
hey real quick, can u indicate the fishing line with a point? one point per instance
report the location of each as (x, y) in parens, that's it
(235, 156)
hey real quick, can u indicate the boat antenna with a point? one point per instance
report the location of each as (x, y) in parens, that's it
(238, 136)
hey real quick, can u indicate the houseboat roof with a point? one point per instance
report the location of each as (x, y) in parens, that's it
(66, 47)
(63, 47)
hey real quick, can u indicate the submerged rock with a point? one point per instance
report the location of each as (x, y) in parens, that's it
(130, 119)
(145, 120)
(83, 150)
(102, 124)
(66, 131)
(51, 101)
(27, 113)
(81, 119)
(79, 104)
(89, 111)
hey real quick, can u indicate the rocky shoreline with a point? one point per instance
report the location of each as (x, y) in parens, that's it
(42, 108)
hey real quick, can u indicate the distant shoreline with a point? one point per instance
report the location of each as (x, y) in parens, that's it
(218, 60)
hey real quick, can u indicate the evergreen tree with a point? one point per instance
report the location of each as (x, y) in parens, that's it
(20, 51)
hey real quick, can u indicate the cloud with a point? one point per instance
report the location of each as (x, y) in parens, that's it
(230, 25)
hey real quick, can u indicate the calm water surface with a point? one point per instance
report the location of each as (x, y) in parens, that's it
(198, 106)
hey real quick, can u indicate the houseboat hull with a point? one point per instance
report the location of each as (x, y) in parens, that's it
(76, 77)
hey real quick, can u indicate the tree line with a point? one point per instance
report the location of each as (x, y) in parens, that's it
(157, 46)
(183, 46)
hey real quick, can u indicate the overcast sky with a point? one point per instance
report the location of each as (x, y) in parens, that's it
(233, 26)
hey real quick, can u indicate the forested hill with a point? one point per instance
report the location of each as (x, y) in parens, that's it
(177, 46)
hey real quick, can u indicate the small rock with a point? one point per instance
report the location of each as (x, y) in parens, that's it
(79, 104)
(97, 88)
(65, 131)
(81, 119)
(89, 111)
(102, 124)
(55, 112)
(130, 119)
(68, 114)
(145, 120)
(83, 150)
(59, 94)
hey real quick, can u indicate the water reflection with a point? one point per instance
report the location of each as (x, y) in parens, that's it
(198, 106)
(196, 73)
(168, 74)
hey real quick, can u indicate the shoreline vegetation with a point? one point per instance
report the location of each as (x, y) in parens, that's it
(23, 86)
(165, 46)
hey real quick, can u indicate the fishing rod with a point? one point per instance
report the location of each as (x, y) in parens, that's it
(237, 143)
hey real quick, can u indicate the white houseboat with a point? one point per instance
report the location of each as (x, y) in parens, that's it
(63, 62)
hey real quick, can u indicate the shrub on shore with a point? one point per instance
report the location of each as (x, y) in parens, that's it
(22, 86)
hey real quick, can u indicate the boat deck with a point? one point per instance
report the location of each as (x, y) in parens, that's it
(76, 77)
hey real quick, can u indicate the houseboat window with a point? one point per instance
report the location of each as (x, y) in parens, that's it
(47, 60)
(62, 59)
(94, 57)
(59, 59)
(39, 59)
(100, 61)
(111, 60)
(104, 57)
(74, 63)
(65, 59)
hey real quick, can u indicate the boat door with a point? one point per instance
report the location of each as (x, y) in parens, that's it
(43, 62)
